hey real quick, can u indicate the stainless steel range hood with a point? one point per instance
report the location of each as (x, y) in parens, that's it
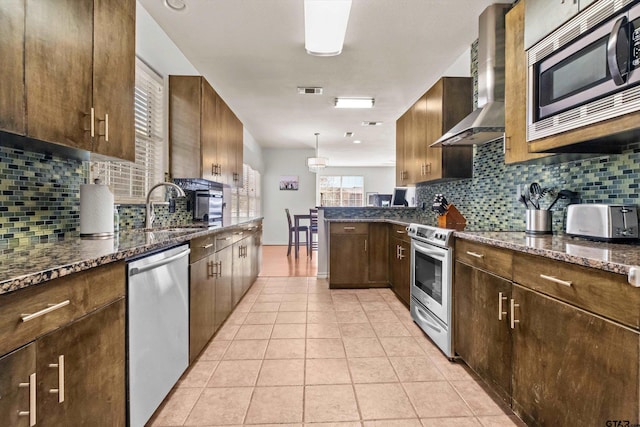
(486, 123)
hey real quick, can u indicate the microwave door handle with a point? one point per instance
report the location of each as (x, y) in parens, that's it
(612, 52)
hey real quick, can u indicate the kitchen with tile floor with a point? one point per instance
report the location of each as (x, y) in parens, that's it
(296, 353)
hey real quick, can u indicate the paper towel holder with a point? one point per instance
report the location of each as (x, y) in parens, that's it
(103, 229)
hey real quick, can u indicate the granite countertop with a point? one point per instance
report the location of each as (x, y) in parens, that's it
(614, 257)
(37, 263)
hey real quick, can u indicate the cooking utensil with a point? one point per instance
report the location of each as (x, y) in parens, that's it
(522, 199)
(563, 194)
(536, 193)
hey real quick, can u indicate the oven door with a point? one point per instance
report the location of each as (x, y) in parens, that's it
(593, 66)
(431, 278)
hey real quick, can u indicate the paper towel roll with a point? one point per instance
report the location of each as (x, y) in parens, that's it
(96, 210)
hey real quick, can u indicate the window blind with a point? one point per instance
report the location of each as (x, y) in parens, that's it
(129, 181)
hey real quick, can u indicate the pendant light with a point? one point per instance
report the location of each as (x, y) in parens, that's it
(316, 163)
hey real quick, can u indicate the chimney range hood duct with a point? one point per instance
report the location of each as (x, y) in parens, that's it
(486, 123)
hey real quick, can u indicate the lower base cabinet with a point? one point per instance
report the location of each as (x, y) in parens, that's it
(202, 303)
(400, 268)
(481, 337)
(571, 367)
(77, 371)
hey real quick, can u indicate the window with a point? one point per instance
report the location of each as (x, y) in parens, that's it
(245, 201)
(129, 181)
(341, 191)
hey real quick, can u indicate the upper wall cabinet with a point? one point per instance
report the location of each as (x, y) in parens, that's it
(438, 110)
(76, 87)
(205, 137)
(544, 16)
(12, 114)
(515, 116)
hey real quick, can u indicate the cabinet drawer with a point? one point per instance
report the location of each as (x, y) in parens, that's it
(84, 291)
(202, 247)
(601, 292)
(494, 260)
(223, 240)
(349, 228)
(400, 232)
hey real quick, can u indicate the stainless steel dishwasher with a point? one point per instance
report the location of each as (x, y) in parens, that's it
(157, 327)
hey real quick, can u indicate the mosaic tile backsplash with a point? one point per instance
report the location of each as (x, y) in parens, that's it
(40, 199)
(489, 199)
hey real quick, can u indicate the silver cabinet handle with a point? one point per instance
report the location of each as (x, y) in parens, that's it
(365, 245)
(513, 313)
(49, 309)
(612, 53)
(402, 256)
(239, 233)
(475, 254)
(31, 413)
(224, 238)
(397, 251)
(60, 389)
(556, 280)
(401, 232)
(207, 246)
(106, 127)
(93, 119)
(501, 298)
(348, 228)
(137, 270)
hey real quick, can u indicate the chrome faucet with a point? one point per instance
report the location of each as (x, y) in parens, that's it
(150, 214)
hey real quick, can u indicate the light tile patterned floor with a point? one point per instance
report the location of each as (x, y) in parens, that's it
(295, 353)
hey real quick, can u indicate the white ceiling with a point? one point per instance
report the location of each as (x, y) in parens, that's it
(252, 52)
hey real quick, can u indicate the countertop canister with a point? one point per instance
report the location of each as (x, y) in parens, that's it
(96, 211)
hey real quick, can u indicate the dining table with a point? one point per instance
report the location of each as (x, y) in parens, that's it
(296, 223)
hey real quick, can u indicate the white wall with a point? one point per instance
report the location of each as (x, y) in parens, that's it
(278, 162)
(376, 179)
(461, 67)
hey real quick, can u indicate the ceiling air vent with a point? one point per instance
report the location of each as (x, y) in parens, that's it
(348, 134)
(371, 123)
(310, 91)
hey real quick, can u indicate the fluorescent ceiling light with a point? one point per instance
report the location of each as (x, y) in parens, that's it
(354, 102)
(357, 141)
(325, 25)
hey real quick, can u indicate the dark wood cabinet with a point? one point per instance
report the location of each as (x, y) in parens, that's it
(400, 262)
(224, 284)
(202, 304)
(447, 102)
(571, 367)
(203, 133)
(241, 270)
(59, 71)
(12, 90)
(114, 46)
(93, 380)
(516, 148)
(17, 377)
(482, 337)
(358, 256)
(80, 73)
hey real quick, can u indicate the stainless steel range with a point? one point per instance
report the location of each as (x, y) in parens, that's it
(431, 278)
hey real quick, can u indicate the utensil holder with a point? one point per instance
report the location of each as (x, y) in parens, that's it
(538, 221)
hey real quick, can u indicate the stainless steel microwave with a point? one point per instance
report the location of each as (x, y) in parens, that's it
(585, 72)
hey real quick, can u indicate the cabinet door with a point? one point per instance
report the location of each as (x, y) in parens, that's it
(571, 367)
(224, 142)
(400, 269)
(238, 272)
(210, 131)
(416, 151)
(348, 260)
(238, 148)
(400, 144)
(202, 305)
(480, 338)
(12, 108)
(16, 370)
(433, 155)
(185, 157)
(378, 253)
(114, 55)
(93, 371)
(58, 71)
(515, 88)
(224, 258)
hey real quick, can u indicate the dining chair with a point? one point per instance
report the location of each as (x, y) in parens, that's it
(313, 230)
(292, 229)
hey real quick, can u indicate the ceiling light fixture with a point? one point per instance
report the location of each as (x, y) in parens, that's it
(371, 123)
(357, 141)
(354, 102)
(176, 5)
(348, 134)
(316, 163)
(309, 90)
(325, 25)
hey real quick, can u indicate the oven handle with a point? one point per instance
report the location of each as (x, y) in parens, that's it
(435, 253)
(612, 52)
(426, 320)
